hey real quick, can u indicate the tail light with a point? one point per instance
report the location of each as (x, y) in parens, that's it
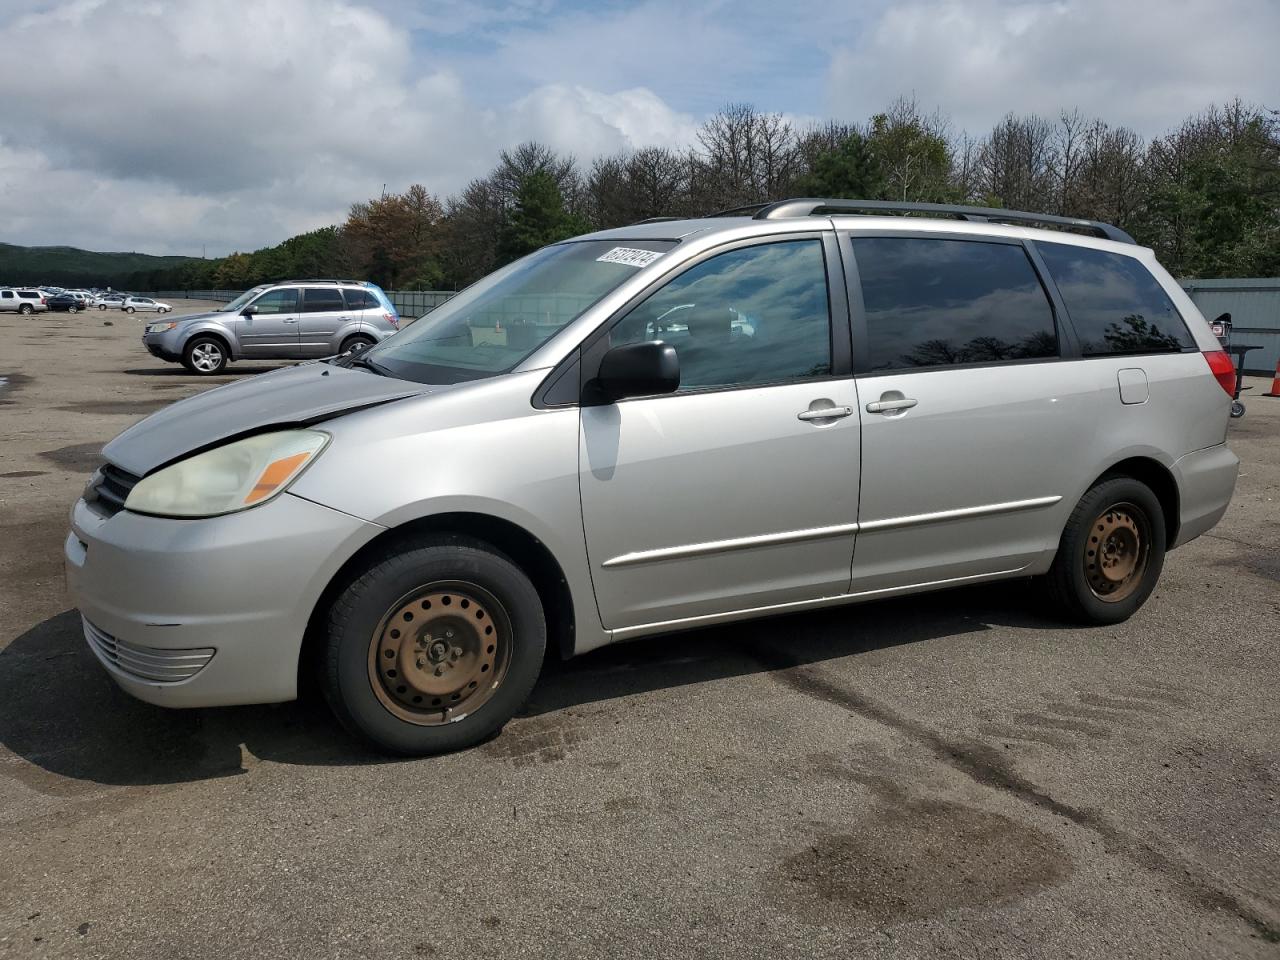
(44, 301)
(392, 319)
(1224, 371)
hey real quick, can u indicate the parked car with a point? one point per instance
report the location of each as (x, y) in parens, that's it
(145, 304)
(536, 462)
(291, 320)
(114, 301)
(25, 302)
(65, 302)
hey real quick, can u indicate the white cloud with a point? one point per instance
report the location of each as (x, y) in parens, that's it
(1143, 63)
(163, 127)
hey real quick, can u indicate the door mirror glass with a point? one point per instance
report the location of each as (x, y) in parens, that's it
(249, 311)
(637, 370)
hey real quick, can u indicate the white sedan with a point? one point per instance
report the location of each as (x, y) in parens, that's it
(132, 304)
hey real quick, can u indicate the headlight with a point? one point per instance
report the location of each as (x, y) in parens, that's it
(240, 475)
(160, 327)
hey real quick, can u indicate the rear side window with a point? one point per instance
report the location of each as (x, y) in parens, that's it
(1115, 304)
(360, 300)
(321, 299)
(28, 295)
(932, 303)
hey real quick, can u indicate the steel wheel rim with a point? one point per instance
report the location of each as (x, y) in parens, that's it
(440, 653)
(206, 356)
(1117, 552)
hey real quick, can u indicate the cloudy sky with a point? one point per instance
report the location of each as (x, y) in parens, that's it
(166, 126)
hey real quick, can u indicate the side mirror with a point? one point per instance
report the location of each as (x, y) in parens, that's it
(249, 311)
(637, 370)
(1222, 318)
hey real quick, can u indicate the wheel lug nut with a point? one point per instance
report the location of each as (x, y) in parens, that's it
(448, 633)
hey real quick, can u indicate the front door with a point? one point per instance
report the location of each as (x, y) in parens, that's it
(971, 422)
(323, 311)
(272, 330)
(740, 490)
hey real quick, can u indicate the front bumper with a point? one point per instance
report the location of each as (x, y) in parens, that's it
(203, 613)
(166, 346)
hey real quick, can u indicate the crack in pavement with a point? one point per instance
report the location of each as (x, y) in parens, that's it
(987, 767)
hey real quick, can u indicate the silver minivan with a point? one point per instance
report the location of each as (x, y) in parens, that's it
(289, 320)
(654, 428)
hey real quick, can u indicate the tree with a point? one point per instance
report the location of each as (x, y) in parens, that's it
(848, 169)
(539, 218)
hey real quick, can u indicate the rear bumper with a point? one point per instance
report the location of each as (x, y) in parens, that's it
(1206, 480)
(202, 613)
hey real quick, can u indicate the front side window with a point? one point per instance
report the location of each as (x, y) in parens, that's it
(932, 303)
(491, 326)
(1115, 304)
(753, 315)
(322, 300)
(278, 301)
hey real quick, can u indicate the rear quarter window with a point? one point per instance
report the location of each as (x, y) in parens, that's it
(360, 300)
(1115, 305)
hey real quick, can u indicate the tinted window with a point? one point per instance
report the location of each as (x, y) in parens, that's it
(360, 300)
(321, 299)
(1115, 304)
(754, 315)
(7, 294)
(939, 302)
(278, 301)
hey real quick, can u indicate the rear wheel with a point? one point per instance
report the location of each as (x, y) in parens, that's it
(1111, 553)
(26, 309)
(205, 356)
(433, 646)
(128, 309)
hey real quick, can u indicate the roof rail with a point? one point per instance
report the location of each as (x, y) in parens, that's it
(316, 280)
(810, 205)
(654, 220)
(740, 211)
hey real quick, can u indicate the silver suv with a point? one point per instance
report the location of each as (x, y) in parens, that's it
(292, 320)
(664, 426)
(23, 301)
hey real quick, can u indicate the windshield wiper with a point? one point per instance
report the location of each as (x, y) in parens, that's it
(367, 364)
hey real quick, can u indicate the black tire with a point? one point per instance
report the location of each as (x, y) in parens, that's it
(357, 342)
(1079, 582)
(102, 306)
(128, 309)
(73, 309)
(26, 309)
(359, 622)
(205, 356)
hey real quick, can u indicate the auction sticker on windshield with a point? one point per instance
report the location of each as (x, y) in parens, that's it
(629, 256)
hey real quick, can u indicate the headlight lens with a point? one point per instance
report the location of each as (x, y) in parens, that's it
(240, 475)
(161, 327)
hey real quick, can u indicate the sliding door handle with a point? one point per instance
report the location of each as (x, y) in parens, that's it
(889, 406)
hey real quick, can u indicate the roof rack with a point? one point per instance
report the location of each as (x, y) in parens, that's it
(742, 210)
(654, 220)
(317, 280)
(810, 205)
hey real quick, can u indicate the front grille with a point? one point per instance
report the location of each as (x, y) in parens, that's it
(110, 488)
(146, 663)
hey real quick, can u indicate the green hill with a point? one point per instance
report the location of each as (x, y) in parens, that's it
(69, 266)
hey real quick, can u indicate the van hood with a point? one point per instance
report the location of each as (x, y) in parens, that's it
(296, 396)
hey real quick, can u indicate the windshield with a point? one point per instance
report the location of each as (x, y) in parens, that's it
(495, 323)
(241, 300)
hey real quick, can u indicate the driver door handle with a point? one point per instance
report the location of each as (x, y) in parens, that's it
(294, 320)
(824, 413)
(888, 406)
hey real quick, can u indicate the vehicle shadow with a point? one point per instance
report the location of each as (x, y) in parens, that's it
(233, 371)
(60, 712)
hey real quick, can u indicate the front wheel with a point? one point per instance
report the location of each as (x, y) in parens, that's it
(1111, 553)
(205, 356)
(102, 306)
(433, 646)
(128, 309)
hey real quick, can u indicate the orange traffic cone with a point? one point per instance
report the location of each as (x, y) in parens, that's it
(1275, 384)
